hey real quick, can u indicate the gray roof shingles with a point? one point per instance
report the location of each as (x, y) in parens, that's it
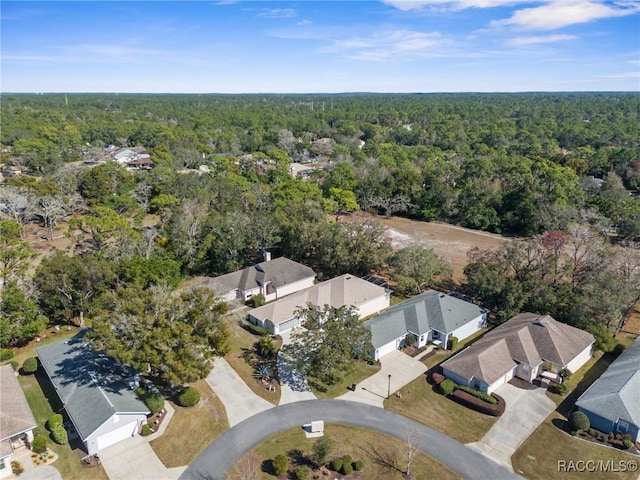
(92, 386)
(616, 394)
(430, 310)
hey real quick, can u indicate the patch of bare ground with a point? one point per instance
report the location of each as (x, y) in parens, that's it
(449, 241)
(632, 323)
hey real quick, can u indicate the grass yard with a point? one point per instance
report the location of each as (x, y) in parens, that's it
(382, 455)
(421, 402)
(538, 457)
(360, 371)
(68, 462)
(240, 358)
(50, 335)
(191, 429)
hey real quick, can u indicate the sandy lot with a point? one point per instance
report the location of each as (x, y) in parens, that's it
(632, 324)
(449, 241)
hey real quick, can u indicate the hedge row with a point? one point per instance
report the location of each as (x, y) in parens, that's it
(477, 393)
(255, 329)
(481, 406)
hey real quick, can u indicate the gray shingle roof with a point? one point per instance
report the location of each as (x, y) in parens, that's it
(430, 310)
(92, 386)
(529, 338)
(279, 271)
(345, 290)
(15, 414)
(616, 394)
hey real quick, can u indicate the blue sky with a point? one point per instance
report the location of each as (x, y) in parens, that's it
(331, 46)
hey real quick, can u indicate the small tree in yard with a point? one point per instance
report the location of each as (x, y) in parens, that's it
(189, 397)
(302, 472)
(54, 421)
(39, 444)
(321, 450)
(280, 464)
(564, 374)
(410, 340)
(579, 421)
(59, 435)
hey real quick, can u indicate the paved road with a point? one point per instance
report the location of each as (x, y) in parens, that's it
(220, 456)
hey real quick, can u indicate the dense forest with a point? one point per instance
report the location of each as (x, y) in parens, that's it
(560, 172)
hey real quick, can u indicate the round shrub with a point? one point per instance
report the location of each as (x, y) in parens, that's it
(336, 464)
(280, 464)
(17, 468)
(302, 473)
(59, 435)
(189, 397)
(6, 354)
(447, 386)
(627, 444)
(346, 459)
(579, 421)
(347, 469)
(54, 421)
(39, 443)
(30, 365)
(453, 343)
(358, 465)
(565, 374)
(146, 430)
(154, 402)
(558, 388)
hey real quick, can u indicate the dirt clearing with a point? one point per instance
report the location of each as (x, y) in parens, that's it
(449, 241)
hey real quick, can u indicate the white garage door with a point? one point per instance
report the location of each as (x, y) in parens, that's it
(385, 349)
(114, 436)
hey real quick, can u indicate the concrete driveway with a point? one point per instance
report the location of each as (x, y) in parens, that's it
(293, 384)
(238, 399)
(526, 409)
(373, 390)
(45, 472)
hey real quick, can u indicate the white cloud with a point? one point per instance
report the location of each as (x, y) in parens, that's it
(622, 76)
(277, 13)
(407, 5)
(534, 40)
(305, 22)
(562, 13)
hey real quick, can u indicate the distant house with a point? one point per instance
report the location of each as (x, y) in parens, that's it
(612, 403)
(131, 157)
(525, 346)
(271, 278)
(97, 392)
(430, 317)
(16, 420)
(346, 290)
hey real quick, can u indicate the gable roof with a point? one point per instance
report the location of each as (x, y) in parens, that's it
(15, 414)
(528, 338)
(430, 310)
(92, 386)
(345, 290)
(616, 394)
(279, 271)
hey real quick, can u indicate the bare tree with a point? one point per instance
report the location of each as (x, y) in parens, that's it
(51, 209)
(142, 195)
(247, 468)
(411, 450)
(16, 204)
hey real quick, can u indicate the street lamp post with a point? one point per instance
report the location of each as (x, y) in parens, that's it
(389, 387)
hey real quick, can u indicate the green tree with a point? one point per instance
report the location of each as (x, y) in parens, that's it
(341, 202)
(321, 450)
(102, 230)
(15, 254)
(420, 264)
(20, 318)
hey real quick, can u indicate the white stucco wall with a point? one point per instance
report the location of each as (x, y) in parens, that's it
(294, 287)
(455, 377)
(468, 328)
(582, 358)
(373, 306)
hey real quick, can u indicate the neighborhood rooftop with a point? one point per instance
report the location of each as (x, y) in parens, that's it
(15, 414)
(92, 386)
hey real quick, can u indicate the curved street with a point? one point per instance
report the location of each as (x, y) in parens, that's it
(220, 456)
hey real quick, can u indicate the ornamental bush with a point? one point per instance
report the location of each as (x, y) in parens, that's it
(30, 365)
(146, 430)
(358, 465)
(39, 443)
(59, 435)
(347, 469)
(302, 473)
(579, 421)
(565, 374)
(447, 386)
(6, 354)
(257, 300)
(453, 343)
(189, 397)
(627, 444)
(478, 394)
(336, 464)
(280, 464)
(346, 459)
(54, 421)
(17, 468)
(255, 329)
(154, 402)
(558, 388)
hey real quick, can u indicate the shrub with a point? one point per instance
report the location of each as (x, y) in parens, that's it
(565, 374)
(266, 347)
(627, 444)
(17, 468)
(154, 402)
(558, 388)
(358, 465)
(59, 435)
(579, 421)
(255, 329)
(336, 464)
(321, 450)
(146, 430)
(475, 403)
(302, 473)
(346, 459)
(39, 443)
(410, 339)
(280, 464)
(257, 300)
(30, 365)
(54, 421)
(347, 469)
(478, 394)
(447, 386)
(6, 354)
(189, 397)
(453, 343)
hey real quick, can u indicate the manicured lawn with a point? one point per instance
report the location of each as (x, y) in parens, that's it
(242, 359)
(423, 403)
(360, 371)
(22, 353)
(382, 455)
(538, 457)
(68, 462)
(191, 429)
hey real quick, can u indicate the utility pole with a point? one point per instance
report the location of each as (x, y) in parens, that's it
(389, 387)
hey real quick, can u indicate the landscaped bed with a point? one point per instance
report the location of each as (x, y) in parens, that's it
(493, 404)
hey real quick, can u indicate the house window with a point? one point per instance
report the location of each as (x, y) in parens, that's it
(2, 464)
(623, 426)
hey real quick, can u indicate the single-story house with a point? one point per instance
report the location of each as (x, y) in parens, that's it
(612, 402)
(271, 278)
(526, 346)
(16, 420)
(366, 297)
(96, 391)
(430, 317)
